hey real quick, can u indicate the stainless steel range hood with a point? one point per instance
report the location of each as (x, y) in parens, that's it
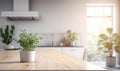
(20, 11)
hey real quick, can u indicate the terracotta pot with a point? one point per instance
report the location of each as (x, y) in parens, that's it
(27, 56)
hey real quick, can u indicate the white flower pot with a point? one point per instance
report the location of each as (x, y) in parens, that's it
(73, 43)
(27, 56)
(110, 61)
(9, 47)
(117, 60)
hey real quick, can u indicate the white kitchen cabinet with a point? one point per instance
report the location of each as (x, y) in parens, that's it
(52, 48)
(79, 52)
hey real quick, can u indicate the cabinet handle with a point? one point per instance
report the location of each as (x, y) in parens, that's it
(72, 49)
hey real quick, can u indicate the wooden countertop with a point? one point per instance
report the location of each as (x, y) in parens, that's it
(45, 60)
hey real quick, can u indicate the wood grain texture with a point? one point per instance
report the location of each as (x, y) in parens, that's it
(45, 60)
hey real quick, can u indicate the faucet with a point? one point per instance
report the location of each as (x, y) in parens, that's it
(52, 35)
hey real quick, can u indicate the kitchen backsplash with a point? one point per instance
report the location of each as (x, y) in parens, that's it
(55, 39)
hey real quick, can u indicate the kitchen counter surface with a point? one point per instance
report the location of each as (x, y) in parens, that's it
(45, 60)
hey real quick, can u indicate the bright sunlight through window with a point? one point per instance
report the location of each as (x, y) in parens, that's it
(98, 19)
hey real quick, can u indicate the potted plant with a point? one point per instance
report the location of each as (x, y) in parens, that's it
(28, 42)
(106, 43)
(72, 36)
(7, 36)
(117, 49)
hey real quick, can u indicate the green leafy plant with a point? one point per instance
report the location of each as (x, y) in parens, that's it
(108, 41)
(28, 41)
(117, 43)
(7, 34)
(71, 35)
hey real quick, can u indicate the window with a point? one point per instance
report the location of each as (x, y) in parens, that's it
(98, 19)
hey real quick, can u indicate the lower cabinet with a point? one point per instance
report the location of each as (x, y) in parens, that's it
(51, 48)
(79, 52)
(76, 52)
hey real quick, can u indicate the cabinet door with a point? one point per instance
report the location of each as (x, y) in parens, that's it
(76, 52)
(51, 48)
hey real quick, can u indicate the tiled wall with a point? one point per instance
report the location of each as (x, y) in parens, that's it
(54, 39)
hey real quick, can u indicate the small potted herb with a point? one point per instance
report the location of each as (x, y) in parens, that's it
(7, 36)
(72, 36)
(28, 42)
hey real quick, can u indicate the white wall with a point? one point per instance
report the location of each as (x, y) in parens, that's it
(56, 16)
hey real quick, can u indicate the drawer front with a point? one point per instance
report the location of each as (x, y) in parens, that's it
(76, 52)
(52, 48)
